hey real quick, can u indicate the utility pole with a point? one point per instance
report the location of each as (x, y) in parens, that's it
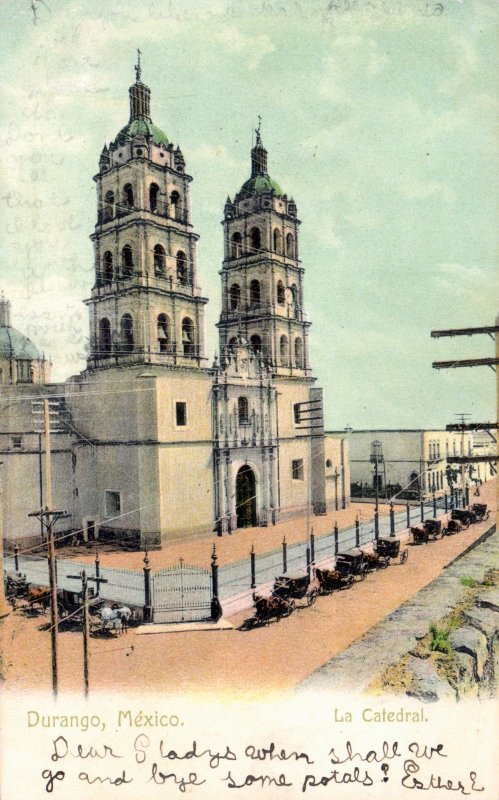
(48, 517)
(86, 620)
(376, 458)
(4, 606)
(462, 419)
(492, 331)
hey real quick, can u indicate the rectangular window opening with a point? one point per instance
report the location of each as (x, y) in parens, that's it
(113, 503)
(181, 414)
(297, 469)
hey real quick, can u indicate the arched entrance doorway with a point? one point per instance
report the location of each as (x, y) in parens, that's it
(246, 497)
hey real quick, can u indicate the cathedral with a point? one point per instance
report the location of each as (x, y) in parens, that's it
(151, 442)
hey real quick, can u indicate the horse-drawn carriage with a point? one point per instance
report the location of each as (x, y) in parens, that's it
(268, 607)
(463, 516)
(296, 587)
(480, 511)
(16, 587)
(353, 563)
(453, 526)
(390, 549)
(384, 550)
(332, 579)
(430, 532)
(286, 591)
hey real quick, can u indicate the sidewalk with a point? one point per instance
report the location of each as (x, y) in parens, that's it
(236, 546)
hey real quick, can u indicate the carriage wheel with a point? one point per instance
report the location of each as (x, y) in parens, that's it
(404, 556)
(312, 597)
(362, 574)
(384, 563)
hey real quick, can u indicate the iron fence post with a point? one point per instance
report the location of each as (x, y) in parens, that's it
(392, 520)
(446, 503)
(16, 557)
(422, 511)
(376, 524)
(336, 538)
(312, 547)
(252, 567)
(97, 572)
(408, 513)
(467, 496)
(284, 555)
(357, 531)
(216, 608)
(434, 505)
(308, 561)
(148, 609)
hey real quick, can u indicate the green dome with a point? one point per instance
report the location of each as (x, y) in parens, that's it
(141, 127)
(258, 184)
(14, 344)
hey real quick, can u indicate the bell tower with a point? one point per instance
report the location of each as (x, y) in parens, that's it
(146, 306)
(262, 276)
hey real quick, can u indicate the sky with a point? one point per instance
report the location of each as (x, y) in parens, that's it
(380, 119)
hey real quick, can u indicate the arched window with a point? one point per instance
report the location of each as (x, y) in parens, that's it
(107, 267)
(126, 333)
(188, 337)
(256, 344)
(254, 293)
(243, 410)
(236, 247)
(128, 195)
(284, 351)
(280, 293)
(290, 246)
(127, 261)
(153, 196)
(294, 292)
(175, 204)
(182, 272)
(234, 296)
(277, 241)
(232, 344)
(299, 352)
(104, 336)
(109, 206)
(159, 260)
(164, 334)
(255, 240)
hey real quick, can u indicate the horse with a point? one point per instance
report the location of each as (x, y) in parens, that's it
(116, 617)
(37, 595)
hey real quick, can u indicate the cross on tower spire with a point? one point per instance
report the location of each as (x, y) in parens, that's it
(257, 131)
(138, 70)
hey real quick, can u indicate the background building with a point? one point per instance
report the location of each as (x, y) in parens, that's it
(410, 463)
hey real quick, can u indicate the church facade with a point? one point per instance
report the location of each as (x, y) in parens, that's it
(156, 443)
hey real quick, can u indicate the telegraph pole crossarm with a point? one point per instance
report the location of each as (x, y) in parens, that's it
(472, 426)
(488, 329)
(467, 362)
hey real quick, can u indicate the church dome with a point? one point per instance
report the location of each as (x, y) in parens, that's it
(258, 184)
(14, 344)
(141, 127)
